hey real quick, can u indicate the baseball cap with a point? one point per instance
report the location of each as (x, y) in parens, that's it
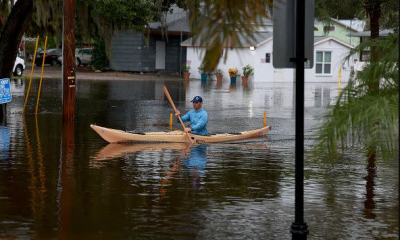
(197, 99)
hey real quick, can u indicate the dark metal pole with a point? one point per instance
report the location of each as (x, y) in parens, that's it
(68, 67)
(299, 227)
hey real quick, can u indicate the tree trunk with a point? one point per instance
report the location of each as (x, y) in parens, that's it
(12, 34)
(373, 9)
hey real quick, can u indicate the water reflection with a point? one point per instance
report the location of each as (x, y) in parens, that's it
(118, 150)
(65, 184)
(70, 184)
(232, 86)
(4, 142)
(37, 180)
(369, 203)
(195, 164)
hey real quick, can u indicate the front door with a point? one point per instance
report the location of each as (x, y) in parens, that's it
(160, 55)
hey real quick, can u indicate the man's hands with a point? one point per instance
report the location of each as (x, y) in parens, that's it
(187, 129)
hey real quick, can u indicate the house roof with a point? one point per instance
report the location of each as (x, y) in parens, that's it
(321, 39)
(383, 33)
(175, 21)
(263, 37)
(356, 25)
(255, 40)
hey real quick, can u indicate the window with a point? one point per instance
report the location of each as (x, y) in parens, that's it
(323, 63)
(268, 57)
(329, 28)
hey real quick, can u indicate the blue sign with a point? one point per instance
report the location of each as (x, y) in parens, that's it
(5, 90)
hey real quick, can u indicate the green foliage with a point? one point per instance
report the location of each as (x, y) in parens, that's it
(185, 68)
(248, 70)
(121, 13)
(219, 72)
(203, 69)
(99, 58)
(362, 116)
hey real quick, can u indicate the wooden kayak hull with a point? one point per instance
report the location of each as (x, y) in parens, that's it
(117, 136)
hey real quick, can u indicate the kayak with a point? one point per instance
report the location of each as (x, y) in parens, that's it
(177, 136)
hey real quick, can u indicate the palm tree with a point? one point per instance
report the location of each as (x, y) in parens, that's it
(362, 116)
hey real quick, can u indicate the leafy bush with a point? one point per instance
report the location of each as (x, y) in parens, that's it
(219, 72)
(248, 70)
(99, 57)
(185, 68)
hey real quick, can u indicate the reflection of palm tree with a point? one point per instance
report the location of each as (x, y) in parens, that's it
(369, 203)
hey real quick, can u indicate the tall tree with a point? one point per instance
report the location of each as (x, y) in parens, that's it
(11, 35)
(364, 118)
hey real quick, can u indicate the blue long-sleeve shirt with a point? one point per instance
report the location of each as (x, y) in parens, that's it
(198, 121)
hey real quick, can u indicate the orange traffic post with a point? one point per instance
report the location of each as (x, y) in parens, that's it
(30, 79)
(170, 121)
(265, 121)
(41, 75)
(265, 118)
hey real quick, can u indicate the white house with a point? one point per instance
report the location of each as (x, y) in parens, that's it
(329, 54)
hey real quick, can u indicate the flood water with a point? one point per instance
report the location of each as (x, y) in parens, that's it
(64, 181)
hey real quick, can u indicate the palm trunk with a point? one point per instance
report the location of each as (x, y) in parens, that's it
(373, 9)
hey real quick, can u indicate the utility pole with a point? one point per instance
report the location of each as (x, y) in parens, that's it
(68, 65)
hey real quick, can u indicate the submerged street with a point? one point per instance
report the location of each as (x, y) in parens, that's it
(67, 182)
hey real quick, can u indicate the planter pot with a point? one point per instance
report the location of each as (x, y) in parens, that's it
(186, 75)
(204, 77)
(244, 80)
(233, 80)
(219, 78)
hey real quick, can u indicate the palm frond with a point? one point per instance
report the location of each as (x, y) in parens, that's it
(362, 117)
(225, 24)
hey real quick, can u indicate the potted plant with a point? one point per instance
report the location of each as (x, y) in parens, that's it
(232, 74)
(185, 70)
(247, 72)
(203, 72)
(219, 74)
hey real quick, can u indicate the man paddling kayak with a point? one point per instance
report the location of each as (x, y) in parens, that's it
(198, 118)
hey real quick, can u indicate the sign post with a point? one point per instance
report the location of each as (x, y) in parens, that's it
(285, 21)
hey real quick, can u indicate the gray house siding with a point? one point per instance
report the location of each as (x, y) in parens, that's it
(176, 55)
(130, 52)
(127, 49)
